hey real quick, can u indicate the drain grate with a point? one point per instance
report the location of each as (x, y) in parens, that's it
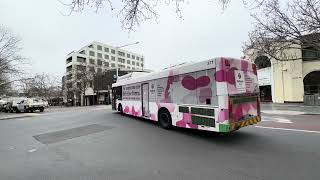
(57, 136)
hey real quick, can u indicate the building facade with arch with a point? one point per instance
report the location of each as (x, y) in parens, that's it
(282, 81)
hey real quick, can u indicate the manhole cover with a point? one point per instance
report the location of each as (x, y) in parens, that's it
(63, 135)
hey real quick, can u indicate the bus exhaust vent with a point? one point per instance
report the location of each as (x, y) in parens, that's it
(205, 121)
(184, 109)
(202, 111)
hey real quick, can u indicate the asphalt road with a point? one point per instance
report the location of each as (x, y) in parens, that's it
(95, 143)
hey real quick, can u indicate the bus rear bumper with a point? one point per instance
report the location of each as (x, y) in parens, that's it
(237, 125)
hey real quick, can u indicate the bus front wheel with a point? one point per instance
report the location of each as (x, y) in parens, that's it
(164, 118)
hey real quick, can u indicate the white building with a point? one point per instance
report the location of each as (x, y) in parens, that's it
(97, 57)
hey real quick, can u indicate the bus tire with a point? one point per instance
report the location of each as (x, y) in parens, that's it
(120, 108)
(41, 109)
(164, 118)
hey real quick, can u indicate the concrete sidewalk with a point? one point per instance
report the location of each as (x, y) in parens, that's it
(7, 116)
(289, 109)
(52, 110)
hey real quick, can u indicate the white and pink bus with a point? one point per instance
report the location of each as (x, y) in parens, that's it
(219, 94)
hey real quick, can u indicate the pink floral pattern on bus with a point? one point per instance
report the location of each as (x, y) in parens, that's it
(186, 122)
(210, 87)
(226, 73)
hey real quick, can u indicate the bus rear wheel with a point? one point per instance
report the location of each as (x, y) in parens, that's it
(164, 118)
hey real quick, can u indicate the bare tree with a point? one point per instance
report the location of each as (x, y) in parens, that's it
(42, 85)
(84, 79)
(281, 27)
(133, 12)
(10, 58)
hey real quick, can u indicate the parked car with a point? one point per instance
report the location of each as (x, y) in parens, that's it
(2, 105)
(12, 105)
(31, 105)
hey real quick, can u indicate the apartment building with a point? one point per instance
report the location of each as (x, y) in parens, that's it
(98, 58)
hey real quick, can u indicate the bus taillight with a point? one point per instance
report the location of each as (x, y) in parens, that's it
(226, 62)
(254, 68)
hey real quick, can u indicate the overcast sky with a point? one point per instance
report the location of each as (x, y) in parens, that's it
(204, 32)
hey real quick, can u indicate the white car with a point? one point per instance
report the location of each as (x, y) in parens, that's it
(30, 105)
(2, 105)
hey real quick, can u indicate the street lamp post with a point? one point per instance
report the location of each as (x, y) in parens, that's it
(117, 56)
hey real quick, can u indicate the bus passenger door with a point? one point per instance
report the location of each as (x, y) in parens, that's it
(145, 99)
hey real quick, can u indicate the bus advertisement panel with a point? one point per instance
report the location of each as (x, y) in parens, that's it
(220, 94)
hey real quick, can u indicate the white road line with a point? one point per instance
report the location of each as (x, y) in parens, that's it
(286, 129)
(32, 150)
(282, 112)
(276, 119)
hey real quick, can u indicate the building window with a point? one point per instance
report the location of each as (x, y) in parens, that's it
(121, 60)
(81, 59)
(69, 60)
(113, 51)
(137, 64)
(138, 58)
(81, 68)
(99, 55)
(91, 69)
(91, 53)
(128, 61)
(82, 52)
(99, 62)
(69, 68)
(128, 55)
(99, 70)
(142, 59)
(310, 54)
(133, 68)
(133, 63)
(128, 67)
(113, 58)
(113, 65)
(99, 48)
(106, 64)
(121, 53)
(91, 46)
(92, 61)
(141, 64)
(122, 66)
(106, 56)
(133, 57)
(69, 77)
(106, 49)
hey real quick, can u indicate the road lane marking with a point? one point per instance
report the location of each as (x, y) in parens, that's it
(276, 119)
(282, 112)
(32, 150)
(286, 129)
